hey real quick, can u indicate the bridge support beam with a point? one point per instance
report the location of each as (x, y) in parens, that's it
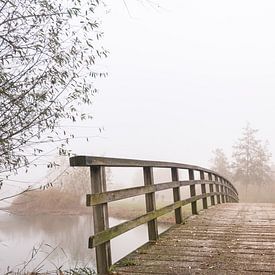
(217, 190)
(193, 192)
(211, 189)
(101, 219)
(203, 190)
(150, 203)
(176, 195)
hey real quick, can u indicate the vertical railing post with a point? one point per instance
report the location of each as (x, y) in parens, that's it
(203, 190)
(222, 189)
(150, 203)
(176, 195)
(193, 192)
(211, 189)
(101, 219)
(217, 189)
(226, 190)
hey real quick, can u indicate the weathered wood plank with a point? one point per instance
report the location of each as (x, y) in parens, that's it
(117, 230)
(176, 195)
(100, 219)
(211, 189)
(203, 190)
(217, 189)
(118, 162)
(225, 239)
(150, 201)
(193, 192)
(109, 196)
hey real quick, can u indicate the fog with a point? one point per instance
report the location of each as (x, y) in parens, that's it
(184, 78)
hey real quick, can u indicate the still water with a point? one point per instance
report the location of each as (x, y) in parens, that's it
(50, 242)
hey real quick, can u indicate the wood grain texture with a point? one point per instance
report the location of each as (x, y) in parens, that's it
(100, 219)
(118, 162)
(225, 239)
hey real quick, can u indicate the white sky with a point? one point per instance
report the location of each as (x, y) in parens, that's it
(183, 79)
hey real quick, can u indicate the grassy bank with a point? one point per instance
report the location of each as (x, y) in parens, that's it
(56, 202)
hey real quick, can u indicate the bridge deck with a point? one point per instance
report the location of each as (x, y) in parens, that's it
(225, 239)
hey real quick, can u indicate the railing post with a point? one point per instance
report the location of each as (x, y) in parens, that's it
(150, 203)
(217, 189)
(193, 192)
(211, 189)
(101, 219)
(176, 195)
(203, 190)
(227, 198)
(222, 189)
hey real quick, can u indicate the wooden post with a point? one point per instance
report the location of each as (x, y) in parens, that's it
(193, 192)
(176, 195)
(150, 203)
(230, 193)
(211, 189)
(203, 191)
(222, 189)
(217, 189)
(226, 190)
(101, 220)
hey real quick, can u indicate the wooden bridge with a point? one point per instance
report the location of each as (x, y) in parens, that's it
(227, 238)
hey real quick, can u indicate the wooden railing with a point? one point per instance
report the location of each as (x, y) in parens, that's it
(220, 191)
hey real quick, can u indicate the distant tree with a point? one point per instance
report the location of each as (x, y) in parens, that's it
(221, 164)
(48, 49)
(251, 159)
(74, 180)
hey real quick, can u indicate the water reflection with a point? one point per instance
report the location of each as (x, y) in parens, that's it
(62, 241)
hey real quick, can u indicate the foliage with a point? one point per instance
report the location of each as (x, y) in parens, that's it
(251, 159)
(48, 50)
(221, 164)
(52, 200)
(79, 271)
(74, 180)
(250, 163)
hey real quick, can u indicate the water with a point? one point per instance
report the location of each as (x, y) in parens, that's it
(50, 242)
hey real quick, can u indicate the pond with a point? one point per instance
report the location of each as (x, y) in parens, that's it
(49, 242)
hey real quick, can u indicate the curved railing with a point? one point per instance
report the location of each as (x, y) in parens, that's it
(220, 191)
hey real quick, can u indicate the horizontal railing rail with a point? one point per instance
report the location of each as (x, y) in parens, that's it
(221, 190)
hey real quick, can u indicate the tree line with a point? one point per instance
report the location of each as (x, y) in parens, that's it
(250, 164)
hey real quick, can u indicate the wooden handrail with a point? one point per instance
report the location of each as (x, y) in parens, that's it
(100, 197)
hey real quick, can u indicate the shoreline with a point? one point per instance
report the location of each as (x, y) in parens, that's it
(117, 212)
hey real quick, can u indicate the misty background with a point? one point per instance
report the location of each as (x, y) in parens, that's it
(184, 78)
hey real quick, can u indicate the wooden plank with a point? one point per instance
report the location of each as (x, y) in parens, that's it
(226, 190)
(217, 189)
(118, 162)
(211, 188)
(176, 195)
(222, 189)
(215, 242)
(203, 190)
(100, 219)
(109, 196)
(117, 230)
(150, 201)
(193, 192)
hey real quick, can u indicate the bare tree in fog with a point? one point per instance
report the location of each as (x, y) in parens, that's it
(251, 159)
(220, 163)
(47, 54)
